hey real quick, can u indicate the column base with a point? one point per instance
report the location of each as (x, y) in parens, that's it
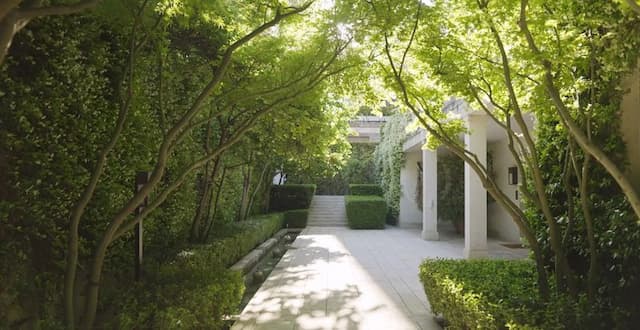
(475, 253)
(428, 235)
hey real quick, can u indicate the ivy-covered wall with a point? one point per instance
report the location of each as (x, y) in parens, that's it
(389, 159)
(63, 86)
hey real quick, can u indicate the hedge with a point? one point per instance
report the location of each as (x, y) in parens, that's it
(366, 212)
(247, 235)
(196, 289)
(291, 197)
(501, 294)
(365, 189)
(296, 218)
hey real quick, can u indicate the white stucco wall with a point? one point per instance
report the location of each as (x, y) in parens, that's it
(499, 223)
(410, 214)
(630, 124)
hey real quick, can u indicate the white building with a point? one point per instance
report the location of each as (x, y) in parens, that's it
(366, 129)
(482, 218)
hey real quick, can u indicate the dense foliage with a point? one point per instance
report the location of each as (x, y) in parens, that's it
(365, 212)
(389, 159)
(501, 294)
(291, 197)
(365, 189)
(562, 63)
(358, 168)
(296, 218)
(206, 96)
(211, 97)
(451, 188)
(482, 294)
(195, 289)
(618, 238)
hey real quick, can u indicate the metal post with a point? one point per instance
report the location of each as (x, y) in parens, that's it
(141, 179)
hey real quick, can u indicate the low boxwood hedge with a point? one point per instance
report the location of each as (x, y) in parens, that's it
(365, 212)
(196, 289)
(296, 218)
(291, 197)
(245, 236)
(502, 294)
(365, 189)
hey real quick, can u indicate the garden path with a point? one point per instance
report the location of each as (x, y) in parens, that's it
(337, 278)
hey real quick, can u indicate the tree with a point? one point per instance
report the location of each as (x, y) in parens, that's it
(16, 14)
(296, 79)
(472, 50)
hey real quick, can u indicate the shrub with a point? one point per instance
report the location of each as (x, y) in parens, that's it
(291, 197)
(366, 212)
(501, 294)
(193, 291)
(451, 188)
(365, 189)
(196, 290)
(296, 218)
(245, 236)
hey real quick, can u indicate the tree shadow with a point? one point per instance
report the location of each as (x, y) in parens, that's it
(327, 282)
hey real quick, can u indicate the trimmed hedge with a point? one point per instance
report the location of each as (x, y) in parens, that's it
(502, 294)
(365, 189)
(245, 236)
(366, 212)
(296, 218)
(291, 197)
(195, 290)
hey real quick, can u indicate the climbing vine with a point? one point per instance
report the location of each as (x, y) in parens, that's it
(389, 159)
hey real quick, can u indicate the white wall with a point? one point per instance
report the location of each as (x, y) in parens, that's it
(410, 215)
(499, 222)
(629, 125)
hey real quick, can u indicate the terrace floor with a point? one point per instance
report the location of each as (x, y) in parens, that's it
(337, 278)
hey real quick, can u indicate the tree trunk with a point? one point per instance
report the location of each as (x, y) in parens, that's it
(261, 181)
(472, 160)
(97, 263)
(216, 205)
(572, 127)
(246, 187)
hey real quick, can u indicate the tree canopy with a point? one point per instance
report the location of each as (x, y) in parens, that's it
(210, 98)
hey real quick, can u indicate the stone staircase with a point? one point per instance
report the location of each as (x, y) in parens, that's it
(327, 211)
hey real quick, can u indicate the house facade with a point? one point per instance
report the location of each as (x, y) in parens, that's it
(485, 137)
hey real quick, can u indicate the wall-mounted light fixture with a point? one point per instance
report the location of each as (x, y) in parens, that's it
(513, 175)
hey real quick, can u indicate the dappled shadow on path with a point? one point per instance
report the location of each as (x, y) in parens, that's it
(319, 284)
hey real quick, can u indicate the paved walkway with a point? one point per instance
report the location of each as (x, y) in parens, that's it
(337, 278)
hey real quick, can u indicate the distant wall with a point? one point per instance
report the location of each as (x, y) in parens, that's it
(410, 214)
(499, 222)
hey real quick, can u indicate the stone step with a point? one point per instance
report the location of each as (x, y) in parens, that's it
(327, 225)
(327, 211)
(325, 220)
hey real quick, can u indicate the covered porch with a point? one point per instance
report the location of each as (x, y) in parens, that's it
(482, 218)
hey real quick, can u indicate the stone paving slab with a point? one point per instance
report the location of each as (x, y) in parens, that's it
(337, 278)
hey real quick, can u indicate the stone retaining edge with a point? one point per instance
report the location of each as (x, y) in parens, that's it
(252, 258)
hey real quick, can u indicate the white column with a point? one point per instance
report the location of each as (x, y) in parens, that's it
(429, 195)
(475, 196)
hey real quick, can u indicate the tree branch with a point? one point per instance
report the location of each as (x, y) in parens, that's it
(31, 13)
